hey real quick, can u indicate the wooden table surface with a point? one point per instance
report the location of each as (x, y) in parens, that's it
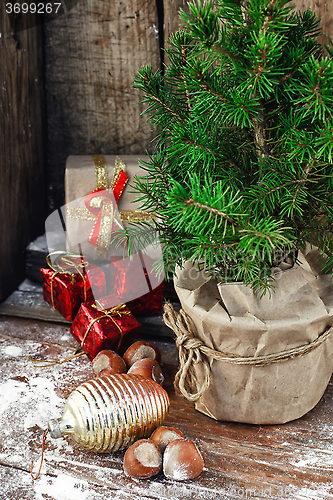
(241, 461)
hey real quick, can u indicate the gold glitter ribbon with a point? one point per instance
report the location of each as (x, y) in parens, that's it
(109, 313)
(106, 217)
(104, 203)
(77, 213)
(63, 267)
(101, 203)
(101, 171)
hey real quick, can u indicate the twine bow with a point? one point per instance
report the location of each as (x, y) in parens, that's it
(119, 311)
(193, 351)
(189, 354)
(63, 264)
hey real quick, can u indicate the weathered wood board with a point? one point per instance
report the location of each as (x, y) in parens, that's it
(241, 461)
(171, 16)
(171, 21)
(92, 54)
(22, 191)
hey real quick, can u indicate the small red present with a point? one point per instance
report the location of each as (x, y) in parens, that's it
(69, 281)
(149, 303)
(136, 284)
(97, 328)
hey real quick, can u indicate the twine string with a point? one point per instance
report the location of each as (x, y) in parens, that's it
(42, 457)
(108, 313)
(193, 351)
(62, 265)
(76, 353)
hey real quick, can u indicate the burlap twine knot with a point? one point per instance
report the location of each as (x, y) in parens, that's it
(192, 351)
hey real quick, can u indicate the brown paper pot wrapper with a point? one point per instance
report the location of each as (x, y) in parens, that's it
(80, 180)
(230, 318)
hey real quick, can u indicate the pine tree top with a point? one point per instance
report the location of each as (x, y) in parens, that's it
(243, 173)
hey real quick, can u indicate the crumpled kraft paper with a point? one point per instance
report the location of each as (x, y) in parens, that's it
(79, 182)
(229, 317)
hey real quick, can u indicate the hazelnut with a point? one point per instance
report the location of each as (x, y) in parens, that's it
(108, 359)
(106, 372)
(148, 368)
(143, 459)
(182, 460)
(141, 350)
(162, 436)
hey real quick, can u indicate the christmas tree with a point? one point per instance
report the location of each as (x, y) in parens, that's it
(243, 174)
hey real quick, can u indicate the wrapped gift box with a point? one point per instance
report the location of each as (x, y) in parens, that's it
(85, 174)
(149, 303)
(97, 328)
(65, 291)
(134, 282)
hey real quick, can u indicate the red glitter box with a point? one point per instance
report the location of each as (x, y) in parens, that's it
(135, 283)
(96, 328)
(65, 291)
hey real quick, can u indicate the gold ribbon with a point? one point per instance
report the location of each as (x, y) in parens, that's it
(64, 267)
(77, 213)
(108, 215)
(104, 203)
(101, 171)
(109, 313)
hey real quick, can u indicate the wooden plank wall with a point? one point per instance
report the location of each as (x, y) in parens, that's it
(171, 15)
(92, 54)
(22, 189)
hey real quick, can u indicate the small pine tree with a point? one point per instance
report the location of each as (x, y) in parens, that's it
(244, 172)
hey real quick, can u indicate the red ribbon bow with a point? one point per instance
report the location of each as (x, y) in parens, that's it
(101, 204)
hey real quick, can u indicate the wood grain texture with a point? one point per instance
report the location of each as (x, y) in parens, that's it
(171, 15)
(92, 54)
(22, 191)
(293, 460)
(171, 20)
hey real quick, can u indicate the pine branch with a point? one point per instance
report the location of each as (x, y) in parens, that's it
(184, 55)
(191, 202)
(245, 113)
(166, 107)
(301, 182)
(223, 52)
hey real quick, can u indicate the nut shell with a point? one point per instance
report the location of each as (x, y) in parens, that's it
(148, 368)
(110, 360)
(106, 372)
(140, 350)
(143, 459)
(163, 435)
(182, 460)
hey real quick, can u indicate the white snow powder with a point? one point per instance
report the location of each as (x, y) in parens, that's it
(13, 350)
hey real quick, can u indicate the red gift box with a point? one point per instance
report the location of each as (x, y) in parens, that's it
(97, 328)
(149, 303)
(135, 283)
(69, 282)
